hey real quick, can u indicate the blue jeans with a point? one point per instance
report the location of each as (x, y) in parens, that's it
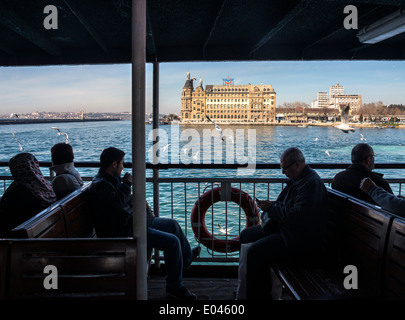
(166, 235)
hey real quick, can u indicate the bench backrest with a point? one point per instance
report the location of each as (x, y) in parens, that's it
(67, 218)
(364, 232)
(85, 268)
(394, 273)
(75, 212)
(3, 267)
(49, 223)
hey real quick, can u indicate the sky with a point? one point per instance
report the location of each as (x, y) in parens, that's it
(107, 88)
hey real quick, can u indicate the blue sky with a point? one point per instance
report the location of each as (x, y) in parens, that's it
(102, 88)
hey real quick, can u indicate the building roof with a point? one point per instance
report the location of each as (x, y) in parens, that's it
(92, 32)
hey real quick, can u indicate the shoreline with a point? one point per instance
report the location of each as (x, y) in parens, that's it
(33, 121)
(304, 124)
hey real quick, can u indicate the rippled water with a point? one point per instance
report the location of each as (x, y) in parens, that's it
(319, 144)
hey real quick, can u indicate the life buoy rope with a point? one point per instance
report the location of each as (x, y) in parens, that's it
(206, 200)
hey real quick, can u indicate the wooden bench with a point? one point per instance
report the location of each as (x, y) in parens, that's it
(3, 267)
(66, 218)
(394, 268)
(62, 236)
(85, 269)
(357, 235)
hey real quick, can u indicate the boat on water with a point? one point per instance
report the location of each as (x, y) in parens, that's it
(132, 38)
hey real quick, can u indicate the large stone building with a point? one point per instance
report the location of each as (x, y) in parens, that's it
(227, 103)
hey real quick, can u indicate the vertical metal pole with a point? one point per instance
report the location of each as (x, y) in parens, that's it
(155, 106)
(138, 142)
(155, 136)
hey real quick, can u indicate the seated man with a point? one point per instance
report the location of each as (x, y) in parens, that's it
(383, 198)
(67, 178)
(111, 203)
(348, 181)
(294, 224)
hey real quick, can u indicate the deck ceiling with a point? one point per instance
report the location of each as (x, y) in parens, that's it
(93, 32)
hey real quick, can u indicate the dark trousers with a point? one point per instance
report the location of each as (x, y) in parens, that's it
(265, 249)
(166, 235)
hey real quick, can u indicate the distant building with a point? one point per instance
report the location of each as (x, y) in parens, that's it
(354, 101)
(322, 100)
(227, 103)
(336, 90)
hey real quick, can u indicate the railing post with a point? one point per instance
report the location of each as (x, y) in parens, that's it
(138, 143)
(156, 138)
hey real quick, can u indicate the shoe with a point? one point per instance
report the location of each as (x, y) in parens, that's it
(195, 252)
(182, 293)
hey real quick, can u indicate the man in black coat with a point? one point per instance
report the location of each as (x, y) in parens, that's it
(292, 225)
(348, 181)
(111, 204)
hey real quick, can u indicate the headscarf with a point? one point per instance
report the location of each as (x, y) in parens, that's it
(25, 170)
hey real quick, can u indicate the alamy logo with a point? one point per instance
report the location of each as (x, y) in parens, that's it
(51, 20)
(51, 280)
(350, 21)
(351, 280)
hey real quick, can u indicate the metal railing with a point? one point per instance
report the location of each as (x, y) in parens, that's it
(176, 196)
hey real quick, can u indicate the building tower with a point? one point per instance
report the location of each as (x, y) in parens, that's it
(186, 97)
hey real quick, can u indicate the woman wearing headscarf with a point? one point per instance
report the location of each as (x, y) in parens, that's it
(27, 195)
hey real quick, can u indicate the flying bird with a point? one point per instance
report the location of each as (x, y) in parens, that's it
(62, 134)
(344, 126)
(21, 147)
(327, 152)
(165, 147)
(195, 157)
(362, 137)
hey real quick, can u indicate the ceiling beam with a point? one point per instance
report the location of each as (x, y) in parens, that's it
(150, 41)
(7, 49)
(221, 7)
(19, 26)
(76, 11)
(280, 25)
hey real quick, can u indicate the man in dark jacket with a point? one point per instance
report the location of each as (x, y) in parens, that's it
(293, 224)
(348, 181)
(111, 203)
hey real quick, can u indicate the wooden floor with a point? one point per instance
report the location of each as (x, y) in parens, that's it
(204, 288)
(208, 283)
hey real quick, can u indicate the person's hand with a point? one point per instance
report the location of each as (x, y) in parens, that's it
(264, 204)
(127, 176)
(366, 184)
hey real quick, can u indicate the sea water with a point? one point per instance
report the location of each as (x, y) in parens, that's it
(194, 144)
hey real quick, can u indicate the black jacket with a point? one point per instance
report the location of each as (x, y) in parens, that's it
(348, 181)
(301, 211)
(111, 206)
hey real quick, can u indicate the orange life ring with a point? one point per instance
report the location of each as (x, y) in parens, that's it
(206, 200)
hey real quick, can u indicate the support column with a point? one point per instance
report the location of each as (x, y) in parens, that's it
(138, 143)
(156, 138)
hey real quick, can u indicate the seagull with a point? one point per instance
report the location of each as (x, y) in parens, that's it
(217, 127)
(195, 157)
(327, 152)
(165, 147)
(345, 120)
(61, 133)
(224, 230)
(316, 139)
(21, 147)
(185, 150)
(362, 137)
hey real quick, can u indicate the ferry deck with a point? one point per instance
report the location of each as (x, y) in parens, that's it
(153, 31)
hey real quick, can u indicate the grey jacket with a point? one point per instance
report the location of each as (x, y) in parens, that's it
(67, 179)
(388, 201)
